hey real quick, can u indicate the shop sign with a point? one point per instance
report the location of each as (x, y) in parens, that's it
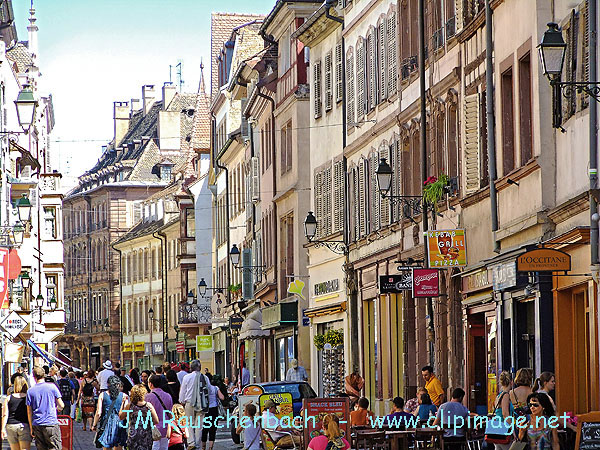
(4, 278)
(94, 351)
(327, 287)
(544, 260)
(504, 275)
(297, 287)
(426, 283)
(476, 281)
(305, 318)
(252, 389)
(13, 324)
(127, 346)
(235, 322)
(180, 346)
(217, 307)
(13, 352)
(446, 248)
(319, 408)
(139, 347)
(204, 343)
(390, 284)
(157, 348)
(147, 349)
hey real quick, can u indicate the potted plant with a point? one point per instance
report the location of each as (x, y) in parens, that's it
(235, 289)
(434, 189)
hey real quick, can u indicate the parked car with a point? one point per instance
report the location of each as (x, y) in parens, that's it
(299, 390)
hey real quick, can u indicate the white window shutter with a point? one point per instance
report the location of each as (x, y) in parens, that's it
(339, 194)
(360, 79)
(471, 143)
(338, 73)
(372, 70)
(318, 205)
(350, 104)
(384, 152)
(375, 196)
(357, 204)
(363, 204)
(458, 10)
(255, 179)
(392, 52)
(317, 86)
(326, 202)
(382, 59)
(328, 82)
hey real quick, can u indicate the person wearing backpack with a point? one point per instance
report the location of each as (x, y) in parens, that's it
(193, 395)
(161, 401)
(86, 398)
(75, 383)
(66, 391)
(110, 432)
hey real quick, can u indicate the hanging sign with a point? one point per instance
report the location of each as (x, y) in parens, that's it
(544, 260)
(4, 270)
(13, 352)
(426, 283)
(180, 346)
(204, 343)
(390, 284)
(446, 248)
(217, 304)
(235, 322)
(13, 324)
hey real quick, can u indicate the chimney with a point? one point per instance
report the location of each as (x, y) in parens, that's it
(121, 120)
(136, 105)
(168, 93)
(148, 97)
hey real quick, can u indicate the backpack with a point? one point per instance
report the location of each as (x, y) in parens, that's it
(87, 389)
(66, 389)
(201, 402)
(75, 385)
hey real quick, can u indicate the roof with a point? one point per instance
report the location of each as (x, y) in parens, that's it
(276, 9)
(201, 126)
(142, 228)
(19, 55)
(222, 24)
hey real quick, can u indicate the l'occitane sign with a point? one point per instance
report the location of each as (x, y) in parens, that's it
(544, 260)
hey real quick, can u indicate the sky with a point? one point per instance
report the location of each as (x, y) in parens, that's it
(94, 53)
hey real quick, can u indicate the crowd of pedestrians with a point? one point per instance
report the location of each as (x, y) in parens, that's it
(124, 409)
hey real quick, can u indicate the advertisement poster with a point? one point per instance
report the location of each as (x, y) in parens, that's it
(319, 408)
(283, 400)
(243, 400)
(13, 352)
(426, 283)
(446, 248)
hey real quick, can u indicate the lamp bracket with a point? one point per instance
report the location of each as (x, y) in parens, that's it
(412, 205)
(338, 247)
(591, 88)
(255, 270)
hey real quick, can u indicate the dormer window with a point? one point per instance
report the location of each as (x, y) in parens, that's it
(165, 173)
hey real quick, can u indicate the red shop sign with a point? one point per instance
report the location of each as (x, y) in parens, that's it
(426, 283)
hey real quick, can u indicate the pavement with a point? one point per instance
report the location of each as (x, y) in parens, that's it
(84, 440)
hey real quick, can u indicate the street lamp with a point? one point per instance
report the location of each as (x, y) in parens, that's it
(25, 280)
(384, 177)
(18, 233)
(552, 51)
(26, 105)
(202, 287)
(190, 298)
(234, 255)
(411, 204)
(24, 209)
(310, 229)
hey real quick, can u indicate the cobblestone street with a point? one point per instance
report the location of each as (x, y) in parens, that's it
(84, 440)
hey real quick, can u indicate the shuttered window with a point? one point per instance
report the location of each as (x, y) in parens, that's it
(317, 89)
(363, 202)
(382, 58)
(356, 202)
(385, 213)
(392, 54)
(338, 196)
(318, 193)
(374, 192)
(471, 114)
(350, 104)
(328, 82)
(570, 31)
(327, 213)
(338, 73)
(372, 76)
(360, 79)
(584, 31)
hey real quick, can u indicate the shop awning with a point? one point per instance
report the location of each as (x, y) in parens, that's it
(48, 357)
(326, 310)
(251, 327)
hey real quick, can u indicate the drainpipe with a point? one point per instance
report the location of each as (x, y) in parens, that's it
(274, 160)
(88, 221)
(162, 237)
(491, 132)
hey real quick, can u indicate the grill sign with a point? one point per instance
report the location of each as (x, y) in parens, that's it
(389, 284)
(544, 260)
(426, 283)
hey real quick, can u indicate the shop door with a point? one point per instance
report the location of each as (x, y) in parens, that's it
(492, 367)
(477, 351)
(581, 339)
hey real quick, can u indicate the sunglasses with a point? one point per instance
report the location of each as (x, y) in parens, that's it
(534, 405)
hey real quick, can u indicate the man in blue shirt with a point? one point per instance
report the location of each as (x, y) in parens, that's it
(452, 416)
(398, 418)
(296, 372)
(42, 401)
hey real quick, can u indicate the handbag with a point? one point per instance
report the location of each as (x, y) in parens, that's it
(518, 445)
(156, 435)
(111, 425)
(221, 409)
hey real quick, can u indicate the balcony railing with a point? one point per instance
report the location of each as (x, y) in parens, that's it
(187, 314)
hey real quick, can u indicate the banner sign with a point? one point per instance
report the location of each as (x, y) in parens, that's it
(204, 343)
(319, 408)
(426, 283)
(390, 284)
(4, 303)
(446, 248)
(180, 346)
(544, 260)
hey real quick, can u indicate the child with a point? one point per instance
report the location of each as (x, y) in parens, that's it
(251, 430)
(176, 431)
(361, 416)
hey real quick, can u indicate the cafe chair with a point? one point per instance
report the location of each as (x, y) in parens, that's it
(423, 440)
(269, 443)
(374, 440)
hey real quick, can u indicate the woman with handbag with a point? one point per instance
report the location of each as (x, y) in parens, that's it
(214, 404)
(518, 395)
(110, 432)
(496, 432)
(539, 435)
(140, 437)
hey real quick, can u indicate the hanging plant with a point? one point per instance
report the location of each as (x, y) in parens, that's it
(319, 341)
(434, 189)
(334, 337)
(234, 288)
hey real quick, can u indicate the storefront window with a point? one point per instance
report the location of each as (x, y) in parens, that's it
(285, 351)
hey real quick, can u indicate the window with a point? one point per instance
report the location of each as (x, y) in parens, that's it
(360, 79)
(51, 288)
(508, 127)
(338, 195)
(372, 73)
(525, 126)
(323, 202)
(317, 85)
(286, 234)
(50, 222)
(338, 73)
(382, 58)
(392, 63)
(286, 148)
(350, 106)
(328, 82)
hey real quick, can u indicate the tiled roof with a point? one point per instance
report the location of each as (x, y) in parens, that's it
(201, 129)
(276, 9)
(142, 228)
(20, 56)
(222, 24)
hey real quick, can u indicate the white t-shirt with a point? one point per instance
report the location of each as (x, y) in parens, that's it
(103, 377)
